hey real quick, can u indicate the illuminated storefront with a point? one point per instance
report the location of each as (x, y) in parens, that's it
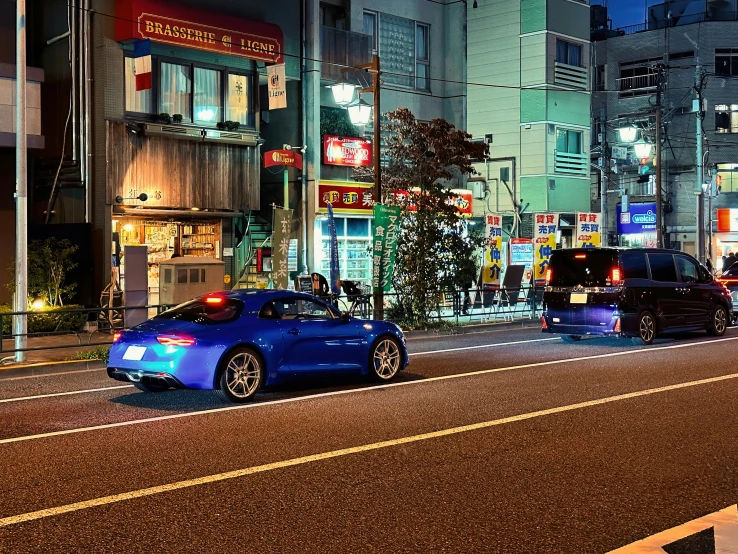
(637, 226)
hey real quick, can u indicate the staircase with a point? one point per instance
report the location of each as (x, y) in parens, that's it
(46, 168)
(258, 236)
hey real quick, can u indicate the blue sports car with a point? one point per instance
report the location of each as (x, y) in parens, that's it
(236, 342)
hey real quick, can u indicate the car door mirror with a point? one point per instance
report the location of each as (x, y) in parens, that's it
(345, 316)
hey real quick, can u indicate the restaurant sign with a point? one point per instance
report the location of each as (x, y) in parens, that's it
(346, 197)
(346, 151)
(282, 158)
(200, 29)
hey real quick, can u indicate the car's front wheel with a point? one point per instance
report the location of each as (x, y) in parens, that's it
(241, 375)
(646, 329)
(385, 359)
(718, 322)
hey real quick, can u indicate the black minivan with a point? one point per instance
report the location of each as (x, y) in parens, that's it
(638, 292)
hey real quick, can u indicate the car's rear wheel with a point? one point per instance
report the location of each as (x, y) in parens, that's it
(385, 359)
(718, 322)
(241, 375)
(150, 387)
(646, 329)
(571, 338)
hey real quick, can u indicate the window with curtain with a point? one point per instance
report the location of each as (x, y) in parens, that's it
(238, 98)
(136, 101)
(175, 83)
(207, 97)
(370, 28)
(568, 141)
(422, 57)
(568, 53)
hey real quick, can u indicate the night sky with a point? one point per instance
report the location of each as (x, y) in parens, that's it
(626, 12)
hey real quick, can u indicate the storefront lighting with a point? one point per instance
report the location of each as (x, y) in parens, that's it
(206, 114)
(195, 209)
(642, 149)
(343, 92)
(628, 134)
(128, 227)
(360, 112)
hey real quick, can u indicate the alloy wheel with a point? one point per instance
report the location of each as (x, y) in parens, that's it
(646, 328)
(386, 359)
(243, 375)
(720, 321)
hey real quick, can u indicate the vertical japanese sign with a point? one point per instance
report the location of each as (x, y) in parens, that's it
(493, 252)
(544, 242)
(335, 268)
(282, 227)
(588, 230)
(385, 232)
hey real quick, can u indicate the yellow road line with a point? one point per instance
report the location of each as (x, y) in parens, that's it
(150, 491)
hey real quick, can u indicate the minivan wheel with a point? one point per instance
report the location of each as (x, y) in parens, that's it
(571, 338)
(646, 329)
(718, 322)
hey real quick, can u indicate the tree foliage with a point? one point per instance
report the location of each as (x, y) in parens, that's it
(49, 261)
(436, 249)
(336, 122)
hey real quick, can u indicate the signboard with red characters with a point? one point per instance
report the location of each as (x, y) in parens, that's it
(346, 151)
(461, 198)
(346, 197)
(282, 158)
(200, 29)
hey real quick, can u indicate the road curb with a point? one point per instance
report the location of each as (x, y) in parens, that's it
(39, 368)
(472, 328)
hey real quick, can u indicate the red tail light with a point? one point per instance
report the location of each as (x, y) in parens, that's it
(543, 323)
(580, 256)
(548, 275)
(617, 326)
(214, 300)
(616, 275)
(116, 336)
(175, 341)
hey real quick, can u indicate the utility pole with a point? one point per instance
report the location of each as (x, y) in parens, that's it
(603, 174)
(699, 193)
(659, 218)
(20, 299)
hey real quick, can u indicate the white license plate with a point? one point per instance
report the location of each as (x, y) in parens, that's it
(578, 298)
(135, 353)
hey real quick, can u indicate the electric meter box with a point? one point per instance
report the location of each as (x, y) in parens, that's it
(182, 279)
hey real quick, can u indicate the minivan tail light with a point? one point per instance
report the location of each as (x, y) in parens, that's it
(548, 275)
(617, 325)
(175, 341)
(543, 323)
(616, 275)
(580, 256)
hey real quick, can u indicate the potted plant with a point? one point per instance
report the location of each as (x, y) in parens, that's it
(165, 118)
(177, 118)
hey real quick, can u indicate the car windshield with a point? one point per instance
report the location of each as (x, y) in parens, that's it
(588, 268)
(205, 311)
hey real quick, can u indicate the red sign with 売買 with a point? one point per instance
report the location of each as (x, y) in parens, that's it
(346, 197)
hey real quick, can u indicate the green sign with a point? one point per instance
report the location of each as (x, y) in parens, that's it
(385, 232)
(282, 228)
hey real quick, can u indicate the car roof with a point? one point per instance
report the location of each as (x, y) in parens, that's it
(254, 299)
(616, 249)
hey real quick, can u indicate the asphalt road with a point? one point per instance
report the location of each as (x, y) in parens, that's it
(501, 440)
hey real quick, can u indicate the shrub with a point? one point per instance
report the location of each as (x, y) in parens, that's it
(47, 320)
(98, 353)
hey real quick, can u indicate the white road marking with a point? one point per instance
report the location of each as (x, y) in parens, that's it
(3, 379)
(355, 391)
(51, 395)
(150, 491)
(724, 523)
(497, 344)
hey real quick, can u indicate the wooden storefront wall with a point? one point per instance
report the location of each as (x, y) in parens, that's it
(177, 173)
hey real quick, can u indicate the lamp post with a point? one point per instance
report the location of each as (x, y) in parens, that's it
(20, 299)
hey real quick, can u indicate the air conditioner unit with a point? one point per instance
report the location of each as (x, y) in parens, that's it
(477, 189)
(157, 130)
(230, 137)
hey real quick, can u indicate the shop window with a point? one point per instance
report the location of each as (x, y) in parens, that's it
(181, 276)
(167, 276)
(726, 118)
(137, 101)
(207, 98)
(175, 89)
(194, 275)
(238, 98)
(354, 249)
(357, 227)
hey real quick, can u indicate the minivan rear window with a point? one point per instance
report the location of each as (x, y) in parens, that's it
(205, 311)
(588, 268)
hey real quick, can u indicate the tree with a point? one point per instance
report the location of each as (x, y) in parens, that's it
(436, 249)
(49, 261)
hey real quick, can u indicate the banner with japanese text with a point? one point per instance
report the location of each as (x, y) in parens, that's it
(384, 233)
(544, 242)
(589, 230)
(282, 227)
(335, 271)
(493, 252)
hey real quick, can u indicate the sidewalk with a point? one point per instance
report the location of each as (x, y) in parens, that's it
(59, 348)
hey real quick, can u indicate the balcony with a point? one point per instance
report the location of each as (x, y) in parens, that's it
(571, 164)
(570, 76)
(339, 48)
(638, 85)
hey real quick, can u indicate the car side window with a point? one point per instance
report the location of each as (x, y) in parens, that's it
(634, 265)
(269, 311)
(301, 308)
(662, 268)
(689, 272)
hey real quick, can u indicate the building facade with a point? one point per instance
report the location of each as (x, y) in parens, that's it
(692, 44)
(529, 99)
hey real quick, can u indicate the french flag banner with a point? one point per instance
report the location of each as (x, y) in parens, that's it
(142, 63)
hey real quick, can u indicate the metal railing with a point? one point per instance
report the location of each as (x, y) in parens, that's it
(572, 164)
(341, 49)
(677, 22)
(570, 75)
(72, 323)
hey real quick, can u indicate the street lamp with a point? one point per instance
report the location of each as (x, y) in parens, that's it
(627, 134)
(642, 149)
(343, 92)
(360, 112)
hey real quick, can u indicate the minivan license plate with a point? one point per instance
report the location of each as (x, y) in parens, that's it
(578, 298)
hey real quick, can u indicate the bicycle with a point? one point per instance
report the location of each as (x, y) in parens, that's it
(360, 297)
